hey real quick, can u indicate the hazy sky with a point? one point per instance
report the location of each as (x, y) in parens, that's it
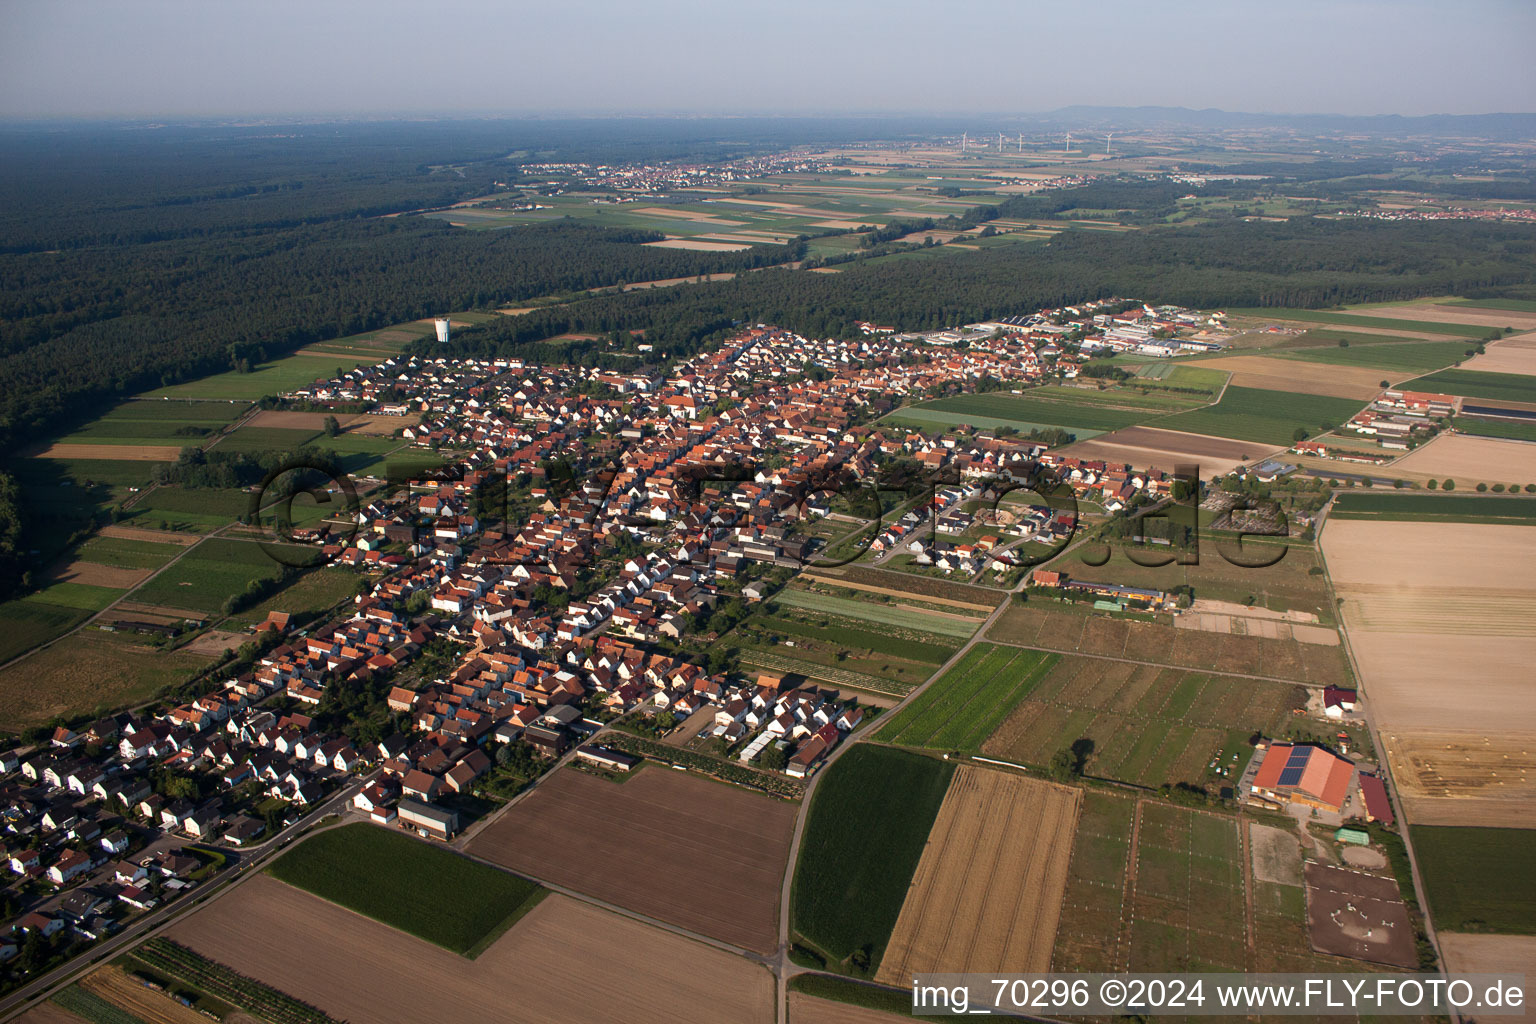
(196, 57)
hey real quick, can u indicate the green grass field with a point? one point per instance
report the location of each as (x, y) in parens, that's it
(1518, 305)
(1315, 316)
(1406, 357)
(158, 423)
(267, 439)
(210, 573)
(1510, 429)
(1435, 508)
(126, 554)
(961, 709)
(268, 379)
(1498, 387)
(408, 884)
(30, 621)
(1265, 417)
(864, 835)
(1479, 879)
(1069, 412)
(197, 509)
(904, 618)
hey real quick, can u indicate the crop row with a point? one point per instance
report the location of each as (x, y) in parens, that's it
(229, 985)
(953, 691)
(986, 710)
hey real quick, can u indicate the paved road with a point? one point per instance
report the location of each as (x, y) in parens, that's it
(249, 860)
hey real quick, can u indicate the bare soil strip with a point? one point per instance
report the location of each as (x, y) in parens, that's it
(1497, 954)
(565, 961)
(982, 899)
(97, 575)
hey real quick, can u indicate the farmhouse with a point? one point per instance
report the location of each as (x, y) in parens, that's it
(1337, 702)
(1300, 774)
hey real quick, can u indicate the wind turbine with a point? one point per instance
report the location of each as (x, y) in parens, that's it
(1069, 145)
(1107, 140)
(962, 142)
(1021, 142)
(999, 142)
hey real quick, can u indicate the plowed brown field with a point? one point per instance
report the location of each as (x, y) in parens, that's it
(565, 961)
(113, 985)
(699, 854)
(987, 892)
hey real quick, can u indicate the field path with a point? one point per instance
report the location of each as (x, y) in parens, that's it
(1128, 898)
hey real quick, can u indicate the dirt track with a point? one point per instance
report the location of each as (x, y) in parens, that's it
(982, 898)
(565, 961)
(699, 854)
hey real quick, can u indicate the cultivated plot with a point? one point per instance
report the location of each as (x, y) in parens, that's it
(699, 854)
(589, 965)
(1157, 448)
(963, 706)
(985, 898)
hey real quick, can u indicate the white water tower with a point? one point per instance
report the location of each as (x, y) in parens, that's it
(441, 323)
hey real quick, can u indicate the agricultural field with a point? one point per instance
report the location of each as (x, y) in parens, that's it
(1434, 508)
(126, 553)
(314, 591)
(1479, 879)
(961, 597)
(1513, 430)
(1089, 936)
(1408, 357)
(1497, 387)
(88, 673)
(267, 439)
(864, 835)
(197, 509)
(1143, 724)
(1514, 355)
(272, 378)
(591, 966)
(407, 884)
(1271, 373)
(622, 843)
(1072, 630)
(210, 573)
(1264, 417)
(1418, 598)
(1024, 412)
(1154, 447)
(1187, 908)
(1470, 461)
(1295, 584)
(1399, 323)
(181, 424)
(965, 705)
(981, 900)
(39, 617)
(898, 616)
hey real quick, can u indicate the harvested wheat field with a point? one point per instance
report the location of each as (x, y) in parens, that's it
(804, 1009)
(98, 575)
(1470, 460)
(377, 425)
(987, 892)
(1438, 314)
(290, 420)
(698, 854)
(694, 243)
(565, 961)
(115, 986)
(1304, 378)
(1515, 354)
(1164, 449)
(1495, 954)
(1442, 621)
(118, 452)
(158, 536)
(49, 1013)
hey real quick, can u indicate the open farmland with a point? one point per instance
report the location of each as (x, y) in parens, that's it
(156, 423)
(206, 576)
(1166, 449)
(864, 835)
(1290, 375)
(590, 966)
(962, 597)
(1407, 318)
(1442, 623)
(1265, 416)
(1512, 355)
(89, 670)
(622, 843)
(965, 704)
(1072, 630)
(1466, 952)
(1498, 387)
(1421, 507)
(916, 619)
(1398, 359)
(1470, 461)
(981, 900)
(281, 375)
(113, 452)
(1088, 937)
(1188, 900)
(1471, 312)
(994, 409)
(126, 553)
(1143, 724)
(407, 883)
(1479, 879)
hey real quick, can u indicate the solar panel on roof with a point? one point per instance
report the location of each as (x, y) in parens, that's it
(1298, 757)
(1290, 776)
